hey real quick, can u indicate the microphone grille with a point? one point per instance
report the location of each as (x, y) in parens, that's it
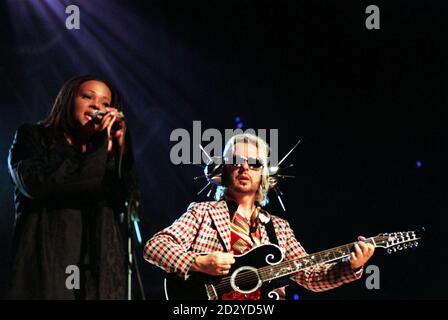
(96, 113)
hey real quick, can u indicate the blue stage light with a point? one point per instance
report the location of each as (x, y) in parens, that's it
(295, 296)
(418, 164)
(239, 125)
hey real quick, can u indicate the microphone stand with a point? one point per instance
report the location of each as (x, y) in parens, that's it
(133, 232)
(132, 219)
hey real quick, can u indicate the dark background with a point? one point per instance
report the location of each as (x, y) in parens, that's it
(367, 104)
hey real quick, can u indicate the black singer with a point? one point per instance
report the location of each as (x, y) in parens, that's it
(72, 172)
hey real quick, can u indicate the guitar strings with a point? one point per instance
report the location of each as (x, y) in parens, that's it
(249, 276)
(266, 272)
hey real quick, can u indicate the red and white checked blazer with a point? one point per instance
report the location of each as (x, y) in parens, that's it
(205, 228)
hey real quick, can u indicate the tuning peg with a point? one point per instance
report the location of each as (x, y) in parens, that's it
(391, 250)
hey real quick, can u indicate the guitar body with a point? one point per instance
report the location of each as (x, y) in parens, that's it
(244, 278)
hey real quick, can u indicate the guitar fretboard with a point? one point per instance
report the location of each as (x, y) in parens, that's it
(292, 266)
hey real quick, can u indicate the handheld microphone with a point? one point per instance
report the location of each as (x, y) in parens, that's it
(97, 116)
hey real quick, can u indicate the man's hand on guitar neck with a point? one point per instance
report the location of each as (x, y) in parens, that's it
(215, 264)
(363, 252)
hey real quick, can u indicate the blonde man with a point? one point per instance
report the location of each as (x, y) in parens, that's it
(207, 237)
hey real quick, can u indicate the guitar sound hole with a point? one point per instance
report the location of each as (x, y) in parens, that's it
(246, 280)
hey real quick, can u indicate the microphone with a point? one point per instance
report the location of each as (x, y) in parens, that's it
(97, 116)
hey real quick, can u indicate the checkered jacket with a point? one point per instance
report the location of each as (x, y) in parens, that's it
(205, 228)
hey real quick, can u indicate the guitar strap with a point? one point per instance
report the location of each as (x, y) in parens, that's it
(271, 232)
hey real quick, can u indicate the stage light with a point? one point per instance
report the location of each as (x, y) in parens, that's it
(239, 125)
(237, 119)
(418, 164)
(295, 297)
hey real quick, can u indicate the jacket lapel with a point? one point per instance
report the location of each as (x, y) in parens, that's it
(221, 218)
(264, 235)
(264, 218)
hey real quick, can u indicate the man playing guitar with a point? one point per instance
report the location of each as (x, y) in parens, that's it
(210, 235)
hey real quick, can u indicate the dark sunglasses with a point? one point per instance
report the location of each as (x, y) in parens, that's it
(237, 161)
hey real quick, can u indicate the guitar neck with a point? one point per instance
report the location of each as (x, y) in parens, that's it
(289, 267)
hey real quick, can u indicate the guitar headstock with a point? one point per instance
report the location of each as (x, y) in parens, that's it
(396, 241)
